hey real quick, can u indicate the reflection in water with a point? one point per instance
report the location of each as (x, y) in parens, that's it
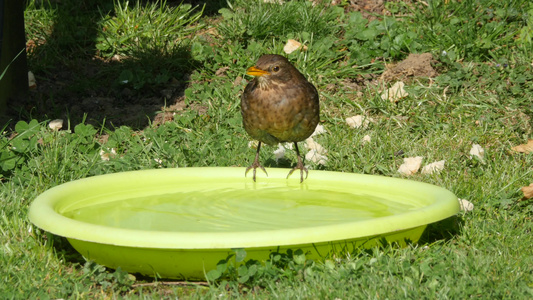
(228, 209)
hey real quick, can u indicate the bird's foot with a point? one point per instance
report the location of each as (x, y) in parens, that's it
(300, 166)
(254, 166)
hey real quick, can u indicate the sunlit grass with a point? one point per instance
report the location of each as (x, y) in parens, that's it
(482, 95)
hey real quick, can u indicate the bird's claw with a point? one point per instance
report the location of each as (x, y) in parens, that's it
(302, 169)
(254, 166)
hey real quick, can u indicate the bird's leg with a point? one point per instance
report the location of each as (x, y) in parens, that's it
(256, 163)
(299, 166)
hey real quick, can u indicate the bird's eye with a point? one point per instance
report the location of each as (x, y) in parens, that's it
(275, 69)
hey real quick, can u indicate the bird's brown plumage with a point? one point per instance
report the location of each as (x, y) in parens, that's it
(279, 105)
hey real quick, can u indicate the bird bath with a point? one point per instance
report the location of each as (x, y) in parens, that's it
(179, 223)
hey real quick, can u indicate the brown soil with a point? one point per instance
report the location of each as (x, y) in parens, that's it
(370, 9)
(415, 65)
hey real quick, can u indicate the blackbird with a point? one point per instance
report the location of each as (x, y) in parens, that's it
(279, 105)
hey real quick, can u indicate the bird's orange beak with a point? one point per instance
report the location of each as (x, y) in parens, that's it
(256, 72)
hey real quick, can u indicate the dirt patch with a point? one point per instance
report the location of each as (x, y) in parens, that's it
(370, 9)
(78, 91)
(415, 65)
(171, 111)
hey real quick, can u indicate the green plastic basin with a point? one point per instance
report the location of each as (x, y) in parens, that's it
(179, 223)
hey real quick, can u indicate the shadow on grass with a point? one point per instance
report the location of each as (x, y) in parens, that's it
(445, 229)
(64, 249)
(74, 83)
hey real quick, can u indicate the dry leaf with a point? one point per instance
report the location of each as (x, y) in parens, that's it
(434, 167)
(358, 121)
(524, 148)
(466, 205)
(312, 145)
(410, 165)
(291, 46)
(395, 92)
(280, 152)
(288, 145)
(477, 151)
(221, 71)
(106, 156)
(32, 83)
(56, 124)
(316, 157)
(528, 192)
(253, 144)
(366, 139)
(318, 130)
(237, 81)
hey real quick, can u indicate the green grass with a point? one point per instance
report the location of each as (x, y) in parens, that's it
(483, 94)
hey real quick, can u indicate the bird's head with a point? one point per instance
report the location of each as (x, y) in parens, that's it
(271, 68)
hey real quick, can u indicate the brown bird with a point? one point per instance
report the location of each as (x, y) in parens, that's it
(279, 105)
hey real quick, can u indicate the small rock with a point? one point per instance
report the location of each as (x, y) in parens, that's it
(56, 124)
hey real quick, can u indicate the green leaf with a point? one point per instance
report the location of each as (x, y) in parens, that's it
(213, 275)
(243, 279)
(21, 126)
(299, 258)
(7, 162)
(226, 13)
(85, 130)
(330, 265)
(125, 77)
(240, 255)
(242, 270)
(20, 145)
(222, 266)
(188, 93)
(252, 270)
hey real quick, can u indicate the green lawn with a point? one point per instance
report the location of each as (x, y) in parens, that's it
(158, 85)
